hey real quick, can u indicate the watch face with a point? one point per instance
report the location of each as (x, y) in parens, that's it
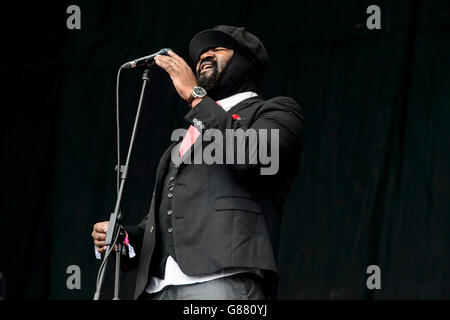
(199, 91)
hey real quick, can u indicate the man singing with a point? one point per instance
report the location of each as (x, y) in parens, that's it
(212, 230)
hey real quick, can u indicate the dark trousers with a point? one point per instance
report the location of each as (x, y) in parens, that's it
(241, 286)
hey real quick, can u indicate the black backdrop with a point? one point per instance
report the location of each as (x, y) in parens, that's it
(373, 187)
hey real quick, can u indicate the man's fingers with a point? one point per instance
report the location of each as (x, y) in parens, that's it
(99, 236)
(97, 227)
(170, 63)
(163, 65)
(101, 227)
(99, 243)
(164, 59)
(102, 249)
(166, 63)
(169, 59)
(176, 57)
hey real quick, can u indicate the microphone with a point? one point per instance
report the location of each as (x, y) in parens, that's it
(145, 60)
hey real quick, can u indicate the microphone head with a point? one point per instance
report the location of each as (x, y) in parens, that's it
(165, 51)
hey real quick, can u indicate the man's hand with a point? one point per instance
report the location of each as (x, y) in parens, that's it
(99, 235)
(181, 74)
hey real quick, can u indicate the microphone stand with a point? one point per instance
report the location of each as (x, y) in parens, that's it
(116, 216)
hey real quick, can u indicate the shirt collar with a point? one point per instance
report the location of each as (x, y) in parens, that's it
(233, 100)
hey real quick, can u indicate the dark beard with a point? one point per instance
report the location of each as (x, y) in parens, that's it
(209, 82)
(239, 75)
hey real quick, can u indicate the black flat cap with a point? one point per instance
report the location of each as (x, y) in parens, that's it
(236, 38)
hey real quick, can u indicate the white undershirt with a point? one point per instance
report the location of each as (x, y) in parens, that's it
(233, 100)
(173, 274)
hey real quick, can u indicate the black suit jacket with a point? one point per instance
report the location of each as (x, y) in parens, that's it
(225, 215)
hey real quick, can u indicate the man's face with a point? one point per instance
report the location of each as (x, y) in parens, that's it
(211, 65)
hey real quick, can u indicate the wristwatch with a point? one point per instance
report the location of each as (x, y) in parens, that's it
(197, 92)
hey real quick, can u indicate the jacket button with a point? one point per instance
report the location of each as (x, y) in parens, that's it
(169, 212)
(152, 228)
(170, 195)
(170, 230)
(171, 178)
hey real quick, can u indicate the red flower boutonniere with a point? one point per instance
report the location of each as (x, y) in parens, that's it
(236, 116)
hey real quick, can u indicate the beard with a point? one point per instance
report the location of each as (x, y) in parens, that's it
(208, 82)
(238, 75)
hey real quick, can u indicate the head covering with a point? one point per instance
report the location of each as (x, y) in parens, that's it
(236, 38)
(246, 67)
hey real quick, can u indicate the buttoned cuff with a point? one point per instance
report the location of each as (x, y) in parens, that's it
(208, 114)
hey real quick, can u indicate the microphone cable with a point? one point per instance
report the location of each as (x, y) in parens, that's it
(101, 270)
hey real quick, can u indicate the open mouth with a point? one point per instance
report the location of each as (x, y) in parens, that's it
(206, 66)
